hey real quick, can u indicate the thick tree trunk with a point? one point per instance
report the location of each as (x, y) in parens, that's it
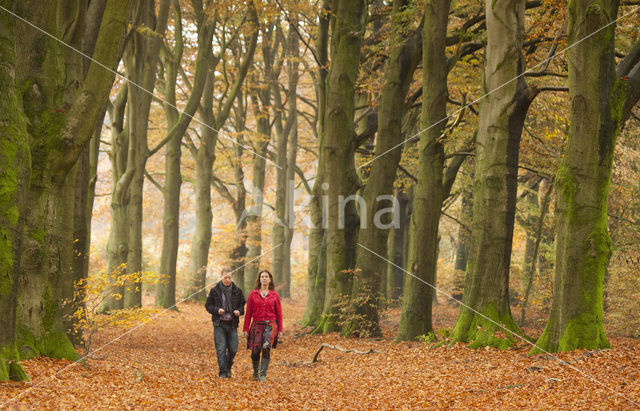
(14, 180)
(429, 192)
(64, 107)
(316, 263)
(381, 212)
(583, 246)
(502, 114)
(338, 151)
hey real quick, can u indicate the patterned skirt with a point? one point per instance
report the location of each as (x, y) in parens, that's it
(262, 335)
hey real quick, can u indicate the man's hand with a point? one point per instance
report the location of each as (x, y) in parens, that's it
(236, 313)
(220, 311)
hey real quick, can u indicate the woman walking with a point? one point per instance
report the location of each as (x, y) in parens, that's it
(262, 323)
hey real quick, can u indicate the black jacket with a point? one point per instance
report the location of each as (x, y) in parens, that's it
(214, 303)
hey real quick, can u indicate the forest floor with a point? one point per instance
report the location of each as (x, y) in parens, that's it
(170, 363)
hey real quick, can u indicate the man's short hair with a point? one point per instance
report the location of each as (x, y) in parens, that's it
(225, 270)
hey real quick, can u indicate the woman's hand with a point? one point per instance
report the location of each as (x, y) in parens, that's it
(245, 334)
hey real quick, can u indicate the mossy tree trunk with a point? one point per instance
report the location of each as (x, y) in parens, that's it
(502, 115)
(583, 246)
(380, 212)
(316, 265)
(348, 26)
(63, 106)
(176, 128)
(429, 192)
(14, 180)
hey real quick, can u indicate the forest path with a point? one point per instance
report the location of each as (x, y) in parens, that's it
(170, 363)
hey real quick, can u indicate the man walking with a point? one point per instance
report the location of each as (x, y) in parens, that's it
(225, 303)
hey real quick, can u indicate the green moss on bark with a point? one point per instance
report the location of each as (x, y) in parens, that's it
(483, 330)
(10, 369)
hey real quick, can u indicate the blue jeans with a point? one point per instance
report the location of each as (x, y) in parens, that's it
(225, 337)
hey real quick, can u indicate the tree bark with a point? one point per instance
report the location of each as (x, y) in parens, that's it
(583, 246)
(338, 150)
(176, 128)
(205, 156)
(429, 192)
(118, 243)
(14, 180)
(64, 107)
(316, 265)
(395, 247)
(502, 115)
(381, 212)
(140, 61)
(261, 101)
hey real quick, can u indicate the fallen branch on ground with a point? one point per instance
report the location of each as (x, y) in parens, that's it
(315, 357)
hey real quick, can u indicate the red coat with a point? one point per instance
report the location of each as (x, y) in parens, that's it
(263, 309)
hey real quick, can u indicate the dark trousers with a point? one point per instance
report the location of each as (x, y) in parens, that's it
(225, 337)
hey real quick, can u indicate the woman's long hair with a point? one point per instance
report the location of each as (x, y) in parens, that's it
(256, 285)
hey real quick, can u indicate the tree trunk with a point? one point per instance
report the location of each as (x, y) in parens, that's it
(429, 192)
(316, 263)
(118, 242)
(205, 157)
(395, 247)
(502, 114)
(463, 242)
(63, 107)
(338, 151)
(176, 128)
(14, 180)
(381, 212)
(291, 127)
(261, 99)
(140, 61)
(583, 246)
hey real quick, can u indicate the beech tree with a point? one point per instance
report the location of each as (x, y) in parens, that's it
(54, 109)
(601, 100)
(502, 114)
(348, 24)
